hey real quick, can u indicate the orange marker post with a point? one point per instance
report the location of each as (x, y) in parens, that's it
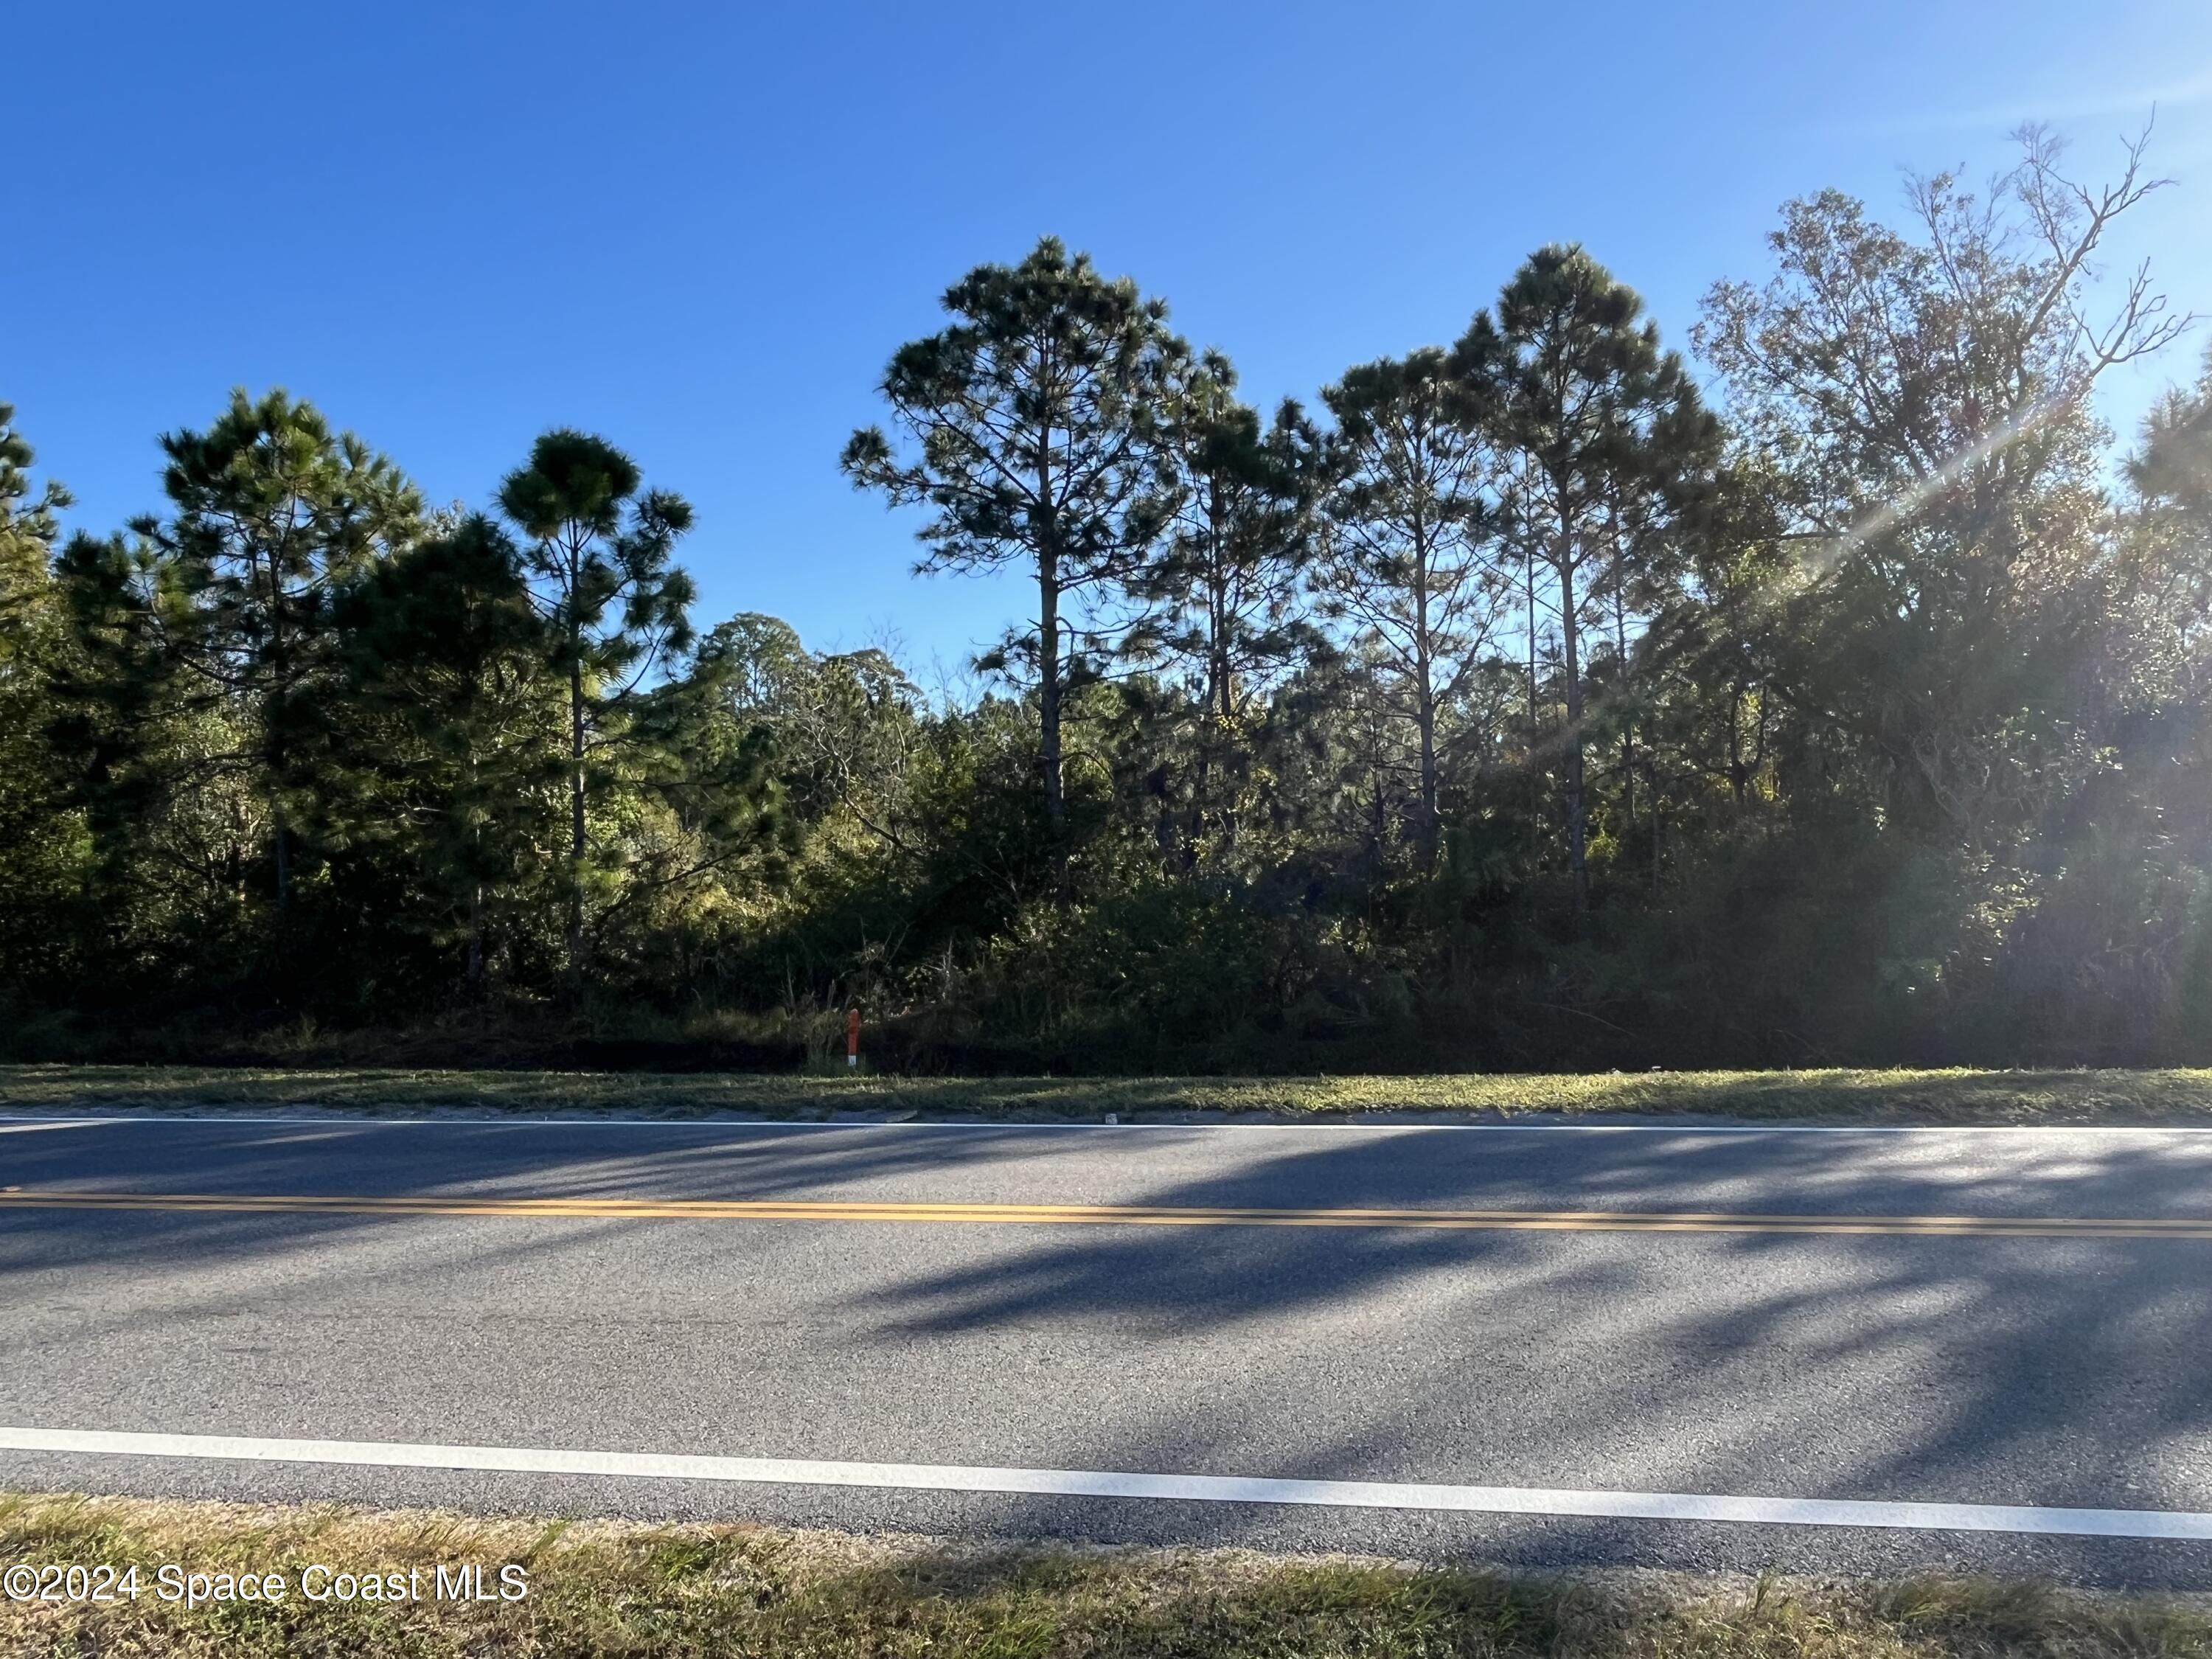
(853, 1039)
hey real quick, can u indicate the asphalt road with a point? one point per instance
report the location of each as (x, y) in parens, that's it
(2038, 1371)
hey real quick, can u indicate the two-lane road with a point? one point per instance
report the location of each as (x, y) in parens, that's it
(1988, 1349)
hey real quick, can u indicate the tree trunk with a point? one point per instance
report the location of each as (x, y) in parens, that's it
(1425, 705)
(575, 940)
(1044, 523)
(1048, 691)
(272, 708)
(1535, 773)
(1225, 690)
(1735, 748)
(1055, 805)
(1220, 707)
(280, 851)
(1376, 827)
(1627, 727)
(284, 861)
(476, 969)
(1569, 665)
(1221, 696)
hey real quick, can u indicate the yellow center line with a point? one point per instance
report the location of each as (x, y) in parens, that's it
(679, 1209)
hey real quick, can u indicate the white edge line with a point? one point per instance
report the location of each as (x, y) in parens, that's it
(1083, 1483)
(339, 1114)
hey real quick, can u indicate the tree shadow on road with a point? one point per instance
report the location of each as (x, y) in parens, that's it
(2025, 1370)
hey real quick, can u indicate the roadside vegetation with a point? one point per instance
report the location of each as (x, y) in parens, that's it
(1839, 693)
(1817, 1096)
(604, 1588)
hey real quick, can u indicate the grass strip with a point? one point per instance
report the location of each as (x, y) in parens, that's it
(603, 1588)
(1811, 1097)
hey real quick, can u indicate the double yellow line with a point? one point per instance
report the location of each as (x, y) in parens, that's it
(1136, 1215)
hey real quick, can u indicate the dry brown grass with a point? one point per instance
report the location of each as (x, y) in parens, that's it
(609, 1588)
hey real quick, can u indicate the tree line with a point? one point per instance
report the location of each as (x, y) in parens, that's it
(1529, 700)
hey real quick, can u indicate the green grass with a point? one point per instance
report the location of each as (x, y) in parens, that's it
(611, 1589)
(1880, 1096)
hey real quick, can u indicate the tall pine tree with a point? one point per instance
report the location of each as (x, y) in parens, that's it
(1608, 437)
(1036, 418)
(616, 610)
(1409, 519)
(451, 727)
(270, 511)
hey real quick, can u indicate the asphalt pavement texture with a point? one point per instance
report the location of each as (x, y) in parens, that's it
(2047, 1371)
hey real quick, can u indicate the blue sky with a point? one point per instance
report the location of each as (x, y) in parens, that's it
(701, 229)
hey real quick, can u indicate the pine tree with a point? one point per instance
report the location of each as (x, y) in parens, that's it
(1604, 431)
(271, 511)
(1224, 593)
(598, 541)
(41, 939)
(1409, 517)
(29, 525)
(450, 725)
(1036, 418)
(1228, 579)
